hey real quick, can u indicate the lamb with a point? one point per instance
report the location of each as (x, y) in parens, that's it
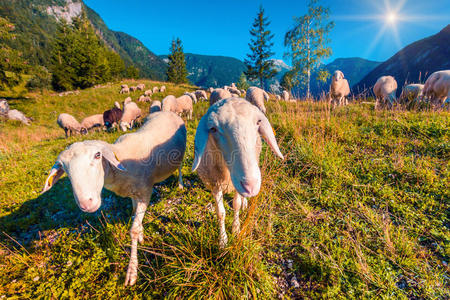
(4, 107)
(131, 112)
(218, 94)
(155, 107)
(14, 114)
(339, 89)
(148, 93)
(93, 121)
(147, 156)
(143, 98)
(140, 87)
(125, 90)
(155, 89)
(226, 156)
(162, 89)
(285, 96)
(112, 116)
(411, 93)
(180, 105)
(256, 96)
(437, 87)
(201, 95)
(192, 95)
(70, 125)
(384, 91)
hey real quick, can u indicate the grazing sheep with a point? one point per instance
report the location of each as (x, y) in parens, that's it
(147, 156)
(339, 89)
(218, 94)
(155, 89)
(117, 104)
(210, 90)
(14, 114)
(155, 107)
(140, 87)
(148, 93)
(125, 90)
(411, 93)
(180, 105)
(384, 91)
(123, 86)
(92, 122)
(70, 124)
(133, 88)
(112, 117)
(256, 96)
(4, 107)
(143, 98)
(162, 89)
(131, 112)
(286, 96)
(192, 95)
(201, 95)
(227, 149)
(234, 90)
(437, 87)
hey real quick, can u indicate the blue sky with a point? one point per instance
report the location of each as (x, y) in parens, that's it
(222, 27)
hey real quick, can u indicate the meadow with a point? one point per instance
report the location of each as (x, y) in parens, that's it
(359, 208)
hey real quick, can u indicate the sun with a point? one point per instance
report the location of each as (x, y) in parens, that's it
(391, 17)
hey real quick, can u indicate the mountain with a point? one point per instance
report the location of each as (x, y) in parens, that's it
(414, 62)
(36, 23)
(212, 71)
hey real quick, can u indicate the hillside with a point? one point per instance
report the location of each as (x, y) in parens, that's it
(415, 62)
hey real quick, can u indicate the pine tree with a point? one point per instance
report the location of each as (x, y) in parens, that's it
(259, 67)
(11, 63)
(177, 72)
(242, 83)
(307, 43)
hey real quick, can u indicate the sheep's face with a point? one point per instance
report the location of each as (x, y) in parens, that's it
(338, 75)
(235, 126)
(84, 164)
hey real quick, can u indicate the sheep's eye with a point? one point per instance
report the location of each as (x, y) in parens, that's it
(97, 155)
(213, 129)
(258, 123)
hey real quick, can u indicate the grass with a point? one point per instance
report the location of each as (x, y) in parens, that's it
(358, 209)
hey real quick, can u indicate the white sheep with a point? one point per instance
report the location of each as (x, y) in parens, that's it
(70, 124)
(339, 89)
(148, 93)
(124, 86)
(412, 93)
(131, 112)
(384, 90)
(210, 90)
(218, 94)
(129, 167)
(201, 95)
(144, 98)
(285, 96)
(124, 90)
(155, 90)
(133, 88)
(227, 149)
(140, 87)
(181, 105)
(93, 121)
(234, 90)
(256, 96)
(127, 100)
(162, 89)
(192, 95)
(4, 107)
(14, 114)
(437, 87)
(155, 106)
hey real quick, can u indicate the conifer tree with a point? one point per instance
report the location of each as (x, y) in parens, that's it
(259, 67)
(177, 72)
(307, 43)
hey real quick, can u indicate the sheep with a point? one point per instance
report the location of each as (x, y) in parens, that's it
(242, 91)
(147, 156)
(131, 112)
(218, 94)
(285, 96)
(127, 100)
(339, 89)
(201, 95)
(140, 87)
(4, 107)
(411, 93)
(155, 89)
(437, 87)
(148, 93)
(133, 88)
(210, 90)
(70, 125)
(123, 86)
(226, 155)
(233, 85)
(384, 91)
(125, 90)
(234, 90)
(143, 98)
(256, 96)
(180, 105)
(14, 114)
(92, 122)
(112, 116)
(162, 89)
(155, 107)
(192, 95)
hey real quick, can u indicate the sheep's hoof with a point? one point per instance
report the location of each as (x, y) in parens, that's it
(244, 203)
(180, 186)
(131, 276)
(223, 242)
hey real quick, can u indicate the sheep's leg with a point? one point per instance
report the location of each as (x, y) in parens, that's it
(244, 203)
(237, 203)
(180, 177)
(137, 235)
(66, 131)
(220, 210)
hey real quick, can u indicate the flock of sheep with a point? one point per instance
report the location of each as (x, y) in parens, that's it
(13, 114)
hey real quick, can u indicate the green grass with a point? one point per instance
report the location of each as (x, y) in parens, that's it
(358, 209)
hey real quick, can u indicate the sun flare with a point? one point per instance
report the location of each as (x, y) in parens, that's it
(391, 17)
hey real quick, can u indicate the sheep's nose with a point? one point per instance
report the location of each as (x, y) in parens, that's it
(250, 186)
(86, 204)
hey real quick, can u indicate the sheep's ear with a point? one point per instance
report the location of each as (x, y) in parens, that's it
(201, 139)
(55, 173)
(112, 158)
(267, 132)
